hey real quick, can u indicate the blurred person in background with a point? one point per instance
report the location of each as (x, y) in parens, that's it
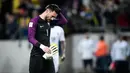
(119, 53)
(101, 54)
(23, 21)
(110, 12)
(39, 36)
(35, 13)
(23, 24)
(90, 17)
(86, 50)
(56, 36)
(123, 19)
(97, 9)
(11, 26)
(26, 4)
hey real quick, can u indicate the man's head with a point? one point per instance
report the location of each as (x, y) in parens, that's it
(52, 11)
(101, 38)
(121, 37)
(86, 35)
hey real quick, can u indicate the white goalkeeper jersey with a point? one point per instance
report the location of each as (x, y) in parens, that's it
(120, 50)
(57, 34)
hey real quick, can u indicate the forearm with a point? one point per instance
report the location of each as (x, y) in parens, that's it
(32, 39)
(35, 42)
(112, 54)
(62, 19)
(63, 46)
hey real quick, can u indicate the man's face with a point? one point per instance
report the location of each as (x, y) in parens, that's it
(51, 15)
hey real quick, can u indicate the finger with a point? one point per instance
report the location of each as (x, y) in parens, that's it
(54, 53)
(54, 50)
(54, 47)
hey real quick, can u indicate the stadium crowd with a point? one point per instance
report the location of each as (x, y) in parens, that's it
(89, 14)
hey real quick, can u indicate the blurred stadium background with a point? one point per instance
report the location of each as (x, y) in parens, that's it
(97, 17)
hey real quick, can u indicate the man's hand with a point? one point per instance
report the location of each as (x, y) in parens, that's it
(112, 66)
(54, 49)
(47, 50)
(62, 58)
(47, 56)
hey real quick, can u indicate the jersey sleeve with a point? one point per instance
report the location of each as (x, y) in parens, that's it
(112, 53)
(79, 47)
(32, 31)
(62, 36)
(62, 19)
(127, 50)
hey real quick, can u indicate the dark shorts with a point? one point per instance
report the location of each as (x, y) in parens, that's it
(87, 62)
(121, 67)
(39, 65)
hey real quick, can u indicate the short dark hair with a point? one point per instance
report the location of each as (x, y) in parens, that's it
(124, 38)
(53, 7)
(101, 37)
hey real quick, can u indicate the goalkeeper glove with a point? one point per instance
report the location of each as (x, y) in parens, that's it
(54, 50)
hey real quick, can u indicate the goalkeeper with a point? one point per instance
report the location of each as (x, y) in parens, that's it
(39, 36)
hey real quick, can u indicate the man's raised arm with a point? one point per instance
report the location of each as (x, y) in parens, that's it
(62, 19)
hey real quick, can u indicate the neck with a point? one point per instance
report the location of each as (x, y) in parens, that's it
(42, 16)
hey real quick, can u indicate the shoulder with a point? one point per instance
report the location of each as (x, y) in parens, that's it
(82, 40)
(90, 40)
(59, 28)
(124, 43)
(35, 19)
(33, 22)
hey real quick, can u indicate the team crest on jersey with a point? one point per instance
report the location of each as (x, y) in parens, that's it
(30, 24)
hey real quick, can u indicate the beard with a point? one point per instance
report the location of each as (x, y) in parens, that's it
(48, 19)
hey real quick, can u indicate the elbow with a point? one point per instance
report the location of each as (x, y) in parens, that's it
(65, 21)
(32, 40)
(29, 39)
(62, 20)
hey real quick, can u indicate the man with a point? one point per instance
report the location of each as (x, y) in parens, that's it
(119, 54)
(11, 27)
(101, 54)
(86, 50)
(39, 36)
(57, 34)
